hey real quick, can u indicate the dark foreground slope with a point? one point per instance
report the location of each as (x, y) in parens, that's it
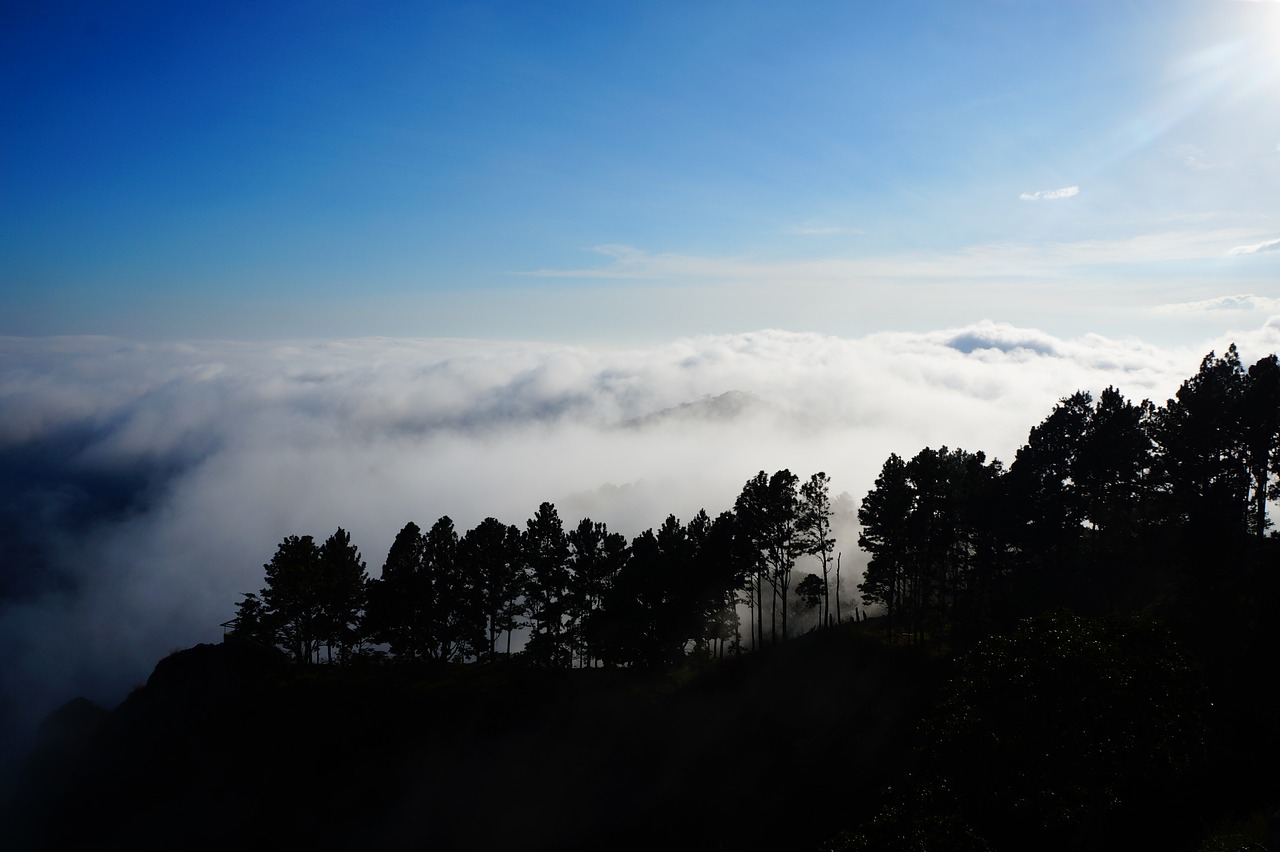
(229, 746)
(1064, 733)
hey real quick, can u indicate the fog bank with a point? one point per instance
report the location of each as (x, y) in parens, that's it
(143, 486)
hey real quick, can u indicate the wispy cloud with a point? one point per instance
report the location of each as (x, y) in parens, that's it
(1257, 248)
(1050, 194)
(1193, 157)
(1239, 302)
(985, 260)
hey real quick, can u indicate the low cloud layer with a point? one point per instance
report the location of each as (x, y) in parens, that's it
(144, 485)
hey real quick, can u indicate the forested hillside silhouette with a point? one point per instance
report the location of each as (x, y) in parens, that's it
(1073, 651)
(582, 596)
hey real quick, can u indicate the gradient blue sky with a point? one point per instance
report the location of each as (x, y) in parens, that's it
(603, 172)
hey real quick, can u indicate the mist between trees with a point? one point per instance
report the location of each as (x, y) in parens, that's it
(582, 596)
(1110, 506)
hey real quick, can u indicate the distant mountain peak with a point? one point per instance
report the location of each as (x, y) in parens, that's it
(727, 406)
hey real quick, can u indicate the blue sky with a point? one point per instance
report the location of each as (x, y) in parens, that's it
(638, 171)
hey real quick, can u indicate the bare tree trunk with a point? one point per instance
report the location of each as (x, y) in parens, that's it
(737, 627)
(826, 592)
(759, 609)
(838, 588)
(784, 583)
(773, 613)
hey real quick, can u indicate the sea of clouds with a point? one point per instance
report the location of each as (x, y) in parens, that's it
(142, 486)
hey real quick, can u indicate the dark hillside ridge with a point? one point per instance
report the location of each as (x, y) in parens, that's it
(232, 746)
(722, 408)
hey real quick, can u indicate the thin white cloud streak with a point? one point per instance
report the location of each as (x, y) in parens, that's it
(990, 260)
(1051, 194)
(816, 229)
(260, 441)
(1193, 157)
(1257, 248)
(1241, 302)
